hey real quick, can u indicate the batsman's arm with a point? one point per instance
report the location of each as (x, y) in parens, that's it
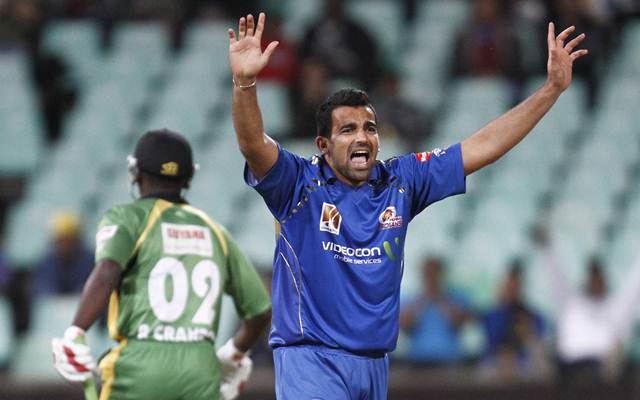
(72, 356)
(250, 330)
(246, 60)
(499, 136)
(95, 296)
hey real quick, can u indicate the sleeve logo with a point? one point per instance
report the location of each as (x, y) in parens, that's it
(424, 156)
(330, 219)
(104, 235)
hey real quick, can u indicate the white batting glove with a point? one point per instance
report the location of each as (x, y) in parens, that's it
(236, 368)
(72, 356)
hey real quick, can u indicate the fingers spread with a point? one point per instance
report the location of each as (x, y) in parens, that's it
(579, 53)
(260, 27)
(250, 25)
(269, 50)
(242, 28)
(576, 41)
(232, 36)
(564, 35)
(551, 36)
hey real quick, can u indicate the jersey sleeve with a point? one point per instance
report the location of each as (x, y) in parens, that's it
(434, 176)
(277, 188)
(115, 239)
(244, 284)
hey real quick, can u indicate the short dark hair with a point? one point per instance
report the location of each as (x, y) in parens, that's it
(345, 97)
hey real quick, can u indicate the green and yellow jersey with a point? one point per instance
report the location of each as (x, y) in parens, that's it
(176, 262)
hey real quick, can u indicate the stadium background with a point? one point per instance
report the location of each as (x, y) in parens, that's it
(82, 80)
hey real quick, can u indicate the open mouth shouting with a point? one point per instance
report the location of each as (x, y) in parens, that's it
(360, 158)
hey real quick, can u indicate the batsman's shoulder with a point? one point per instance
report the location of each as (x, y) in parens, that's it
(129, 214)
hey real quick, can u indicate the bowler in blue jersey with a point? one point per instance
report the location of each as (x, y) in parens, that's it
(343, 217)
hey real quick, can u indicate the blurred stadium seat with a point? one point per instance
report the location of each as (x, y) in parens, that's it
(6, 332)
(389, 34)
(52, 315)
(78, 43)
(20, 120)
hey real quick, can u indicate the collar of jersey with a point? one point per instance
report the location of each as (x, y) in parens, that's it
(171, 197)
(330, 177)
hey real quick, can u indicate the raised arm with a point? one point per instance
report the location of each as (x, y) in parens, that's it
(247, 60)
(624, 304)
(499, 136)
(559, 286)
(72, 356)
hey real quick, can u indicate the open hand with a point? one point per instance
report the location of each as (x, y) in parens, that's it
(562, 56)
(245, 54)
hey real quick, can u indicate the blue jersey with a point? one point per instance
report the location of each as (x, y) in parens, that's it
(338, 261)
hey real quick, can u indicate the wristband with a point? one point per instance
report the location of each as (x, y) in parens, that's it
(243, 87)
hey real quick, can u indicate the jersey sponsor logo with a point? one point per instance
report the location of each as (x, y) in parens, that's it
(423, 157)
(180, 239)
(104, 235)
(388, 219)
(330, 219)
(358, 256)
(389, 250)
(169, 168)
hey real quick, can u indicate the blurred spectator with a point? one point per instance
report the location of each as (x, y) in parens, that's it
(283, 65)
(348, 50)
(67, 265)
(20, 25)
(4, 274)
(592, 325)
(531, 17)
(433, 320)
(488, 46)
(57, 94)
(514, 333)
(312, 89)
(398, 117)
(233, 9)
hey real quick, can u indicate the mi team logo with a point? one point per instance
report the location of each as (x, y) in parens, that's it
(388, 219)
(330, 219)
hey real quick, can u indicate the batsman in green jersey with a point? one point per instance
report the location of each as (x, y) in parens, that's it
(162, 267)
